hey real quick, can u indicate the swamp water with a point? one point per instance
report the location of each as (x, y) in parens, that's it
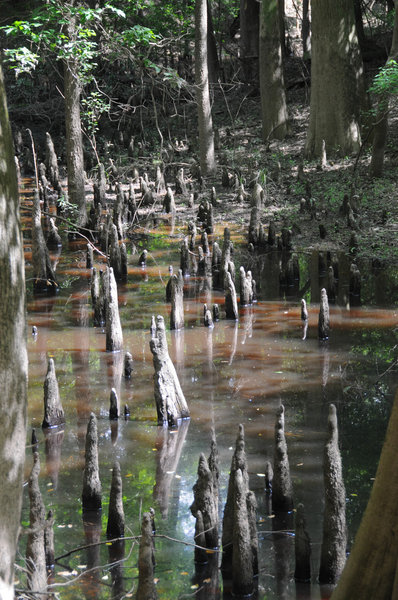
(235, 373)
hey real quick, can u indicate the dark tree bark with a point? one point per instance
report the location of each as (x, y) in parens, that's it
(359, 21)
(249, 39)
(336, 72)
(381, 125)
(272, 85)
(306, 30)
(212, 56)
(13, 358)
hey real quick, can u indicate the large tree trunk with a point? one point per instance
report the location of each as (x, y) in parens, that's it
(336, 79)
(249, 39)
(213, 64)
(13, 359)
(381, 125)
(272, 85)
(206, 136)
(74, 142)
(372, 565)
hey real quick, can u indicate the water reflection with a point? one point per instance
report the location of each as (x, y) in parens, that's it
(235, 373)
(53, 445)
(169, 445)
(116, 558)
(91, 577)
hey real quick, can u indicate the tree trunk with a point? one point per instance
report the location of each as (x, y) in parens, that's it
(306, 30)
(372, 565)
(359, 21)
(336, 80)
(282, 27)
(249, 39)
(381, 125)
(13, 358)
(272, 85)
(206, 136)
(213, 64)
(74, 142)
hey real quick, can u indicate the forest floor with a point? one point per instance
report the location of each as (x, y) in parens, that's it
(281, 170)
(287, 177)
(277, 168)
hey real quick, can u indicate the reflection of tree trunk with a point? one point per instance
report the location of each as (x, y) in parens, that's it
(283, 544)
(247, 324)
(13, 359)
(233, 344)
(303, 591)
(114, 363)
(53, 446)
(325, 369)
(92, 534)
(81, 373)
(116, 558)
(207, 576)
(177, 339)
(169, 445)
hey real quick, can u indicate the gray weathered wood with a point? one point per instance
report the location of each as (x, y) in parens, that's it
(170, 401)
(35, 551)
(334, 540)
(53, 411)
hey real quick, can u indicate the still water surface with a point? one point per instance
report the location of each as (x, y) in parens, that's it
(236, 373)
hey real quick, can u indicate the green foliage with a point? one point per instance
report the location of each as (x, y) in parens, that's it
(386, 80)
(93, 106)
(139, 35)
(21, 60)
(70, 209)
(56, 29)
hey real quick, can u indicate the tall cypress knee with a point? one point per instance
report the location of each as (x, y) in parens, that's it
(92, 489)
(334, 540)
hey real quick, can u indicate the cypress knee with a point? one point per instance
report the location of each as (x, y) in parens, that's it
(92, 490)
(35, 549)
(334, 540)
(282, 490)
(53, 411)
(323, 320)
